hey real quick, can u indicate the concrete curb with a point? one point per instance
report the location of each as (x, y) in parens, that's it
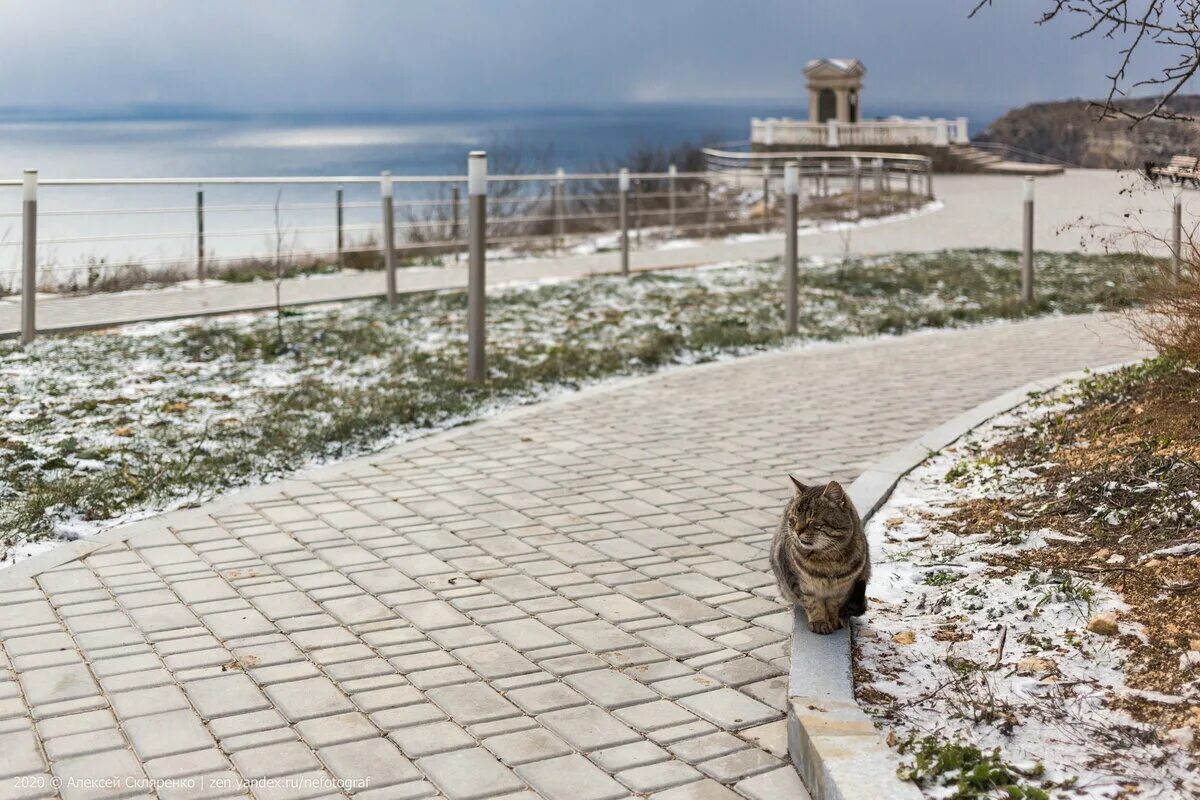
(834, 745)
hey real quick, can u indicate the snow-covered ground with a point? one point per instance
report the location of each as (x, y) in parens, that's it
(1026, 661)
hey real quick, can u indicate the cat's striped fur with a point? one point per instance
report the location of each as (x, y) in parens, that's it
(820, 556)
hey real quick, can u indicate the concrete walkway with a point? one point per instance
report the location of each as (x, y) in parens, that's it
(979, 211)
(571, 601)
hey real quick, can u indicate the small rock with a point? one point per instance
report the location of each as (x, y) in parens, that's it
(904, 637)
(1189, 660)
(1152, 563)
(1194, 644)
(1115, 558)
(124, 431)
(1034, 666)
(176, 408)
(1181, 736)
(1101, 554)
(1104, 623)
(866, 633)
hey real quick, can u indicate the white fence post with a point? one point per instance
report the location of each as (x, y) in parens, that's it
(477, 266)
(341, 220)
(831, 133)
(389, 235)
(791, 277)
(29, 256)
(766, 201)
(1027, 255)
(559, 185)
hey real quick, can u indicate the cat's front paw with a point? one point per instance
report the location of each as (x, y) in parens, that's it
(824, 626)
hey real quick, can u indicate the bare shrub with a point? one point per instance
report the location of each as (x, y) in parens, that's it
(1170, 317)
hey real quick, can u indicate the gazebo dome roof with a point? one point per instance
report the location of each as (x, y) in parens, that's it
(835, 67)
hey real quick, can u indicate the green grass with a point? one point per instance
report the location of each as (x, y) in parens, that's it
(964, 772)
(99, 425)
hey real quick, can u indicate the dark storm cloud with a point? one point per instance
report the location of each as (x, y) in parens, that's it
(384, 55)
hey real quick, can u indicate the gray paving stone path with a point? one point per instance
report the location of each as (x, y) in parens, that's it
(571, 601)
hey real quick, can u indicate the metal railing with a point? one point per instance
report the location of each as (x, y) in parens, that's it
(1012, 153)
(823, 173)
(246, 228)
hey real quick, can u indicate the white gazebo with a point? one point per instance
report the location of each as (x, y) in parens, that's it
(834, 87)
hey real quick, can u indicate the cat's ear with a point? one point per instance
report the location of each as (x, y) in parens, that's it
(834, 493)
(800, 487)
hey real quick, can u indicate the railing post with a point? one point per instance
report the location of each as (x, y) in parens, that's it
(477, 268)
(856, 166)
(671, 172)
(929, 179)
(878, 164)
(1177, 232)
(831, 133)
(29, 256)
(455, 201)
(200, 233)
(341, 219)
(1027, 254)
(559, 222)
(623, 217)
(791, 277)
(824, 179)
(907, 183)
(961, 135)
(636, 211)
(707, 208)
(389, 235)
(766, 179)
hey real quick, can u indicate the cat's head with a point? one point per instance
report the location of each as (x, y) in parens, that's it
(820, 517)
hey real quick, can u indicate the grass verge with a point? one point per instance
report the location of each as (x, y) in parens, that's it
(101, 425)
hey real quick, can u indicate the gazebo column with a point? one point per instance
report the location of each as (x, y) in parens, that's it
(814, 105)
(843, 105)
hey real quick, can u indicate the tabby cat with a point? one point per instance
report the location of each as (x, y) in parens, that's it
(820, 556)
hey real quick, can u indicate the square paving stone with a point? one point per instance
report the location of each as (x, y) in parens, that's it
(597, 636)
(224, 695)
(729, 709)
(526, 634)
(610, 689)
(740, 671)
(57, 684)
(305, 699)
(496, 660)
(546, 697)
(168, 734)
(678, 641)
(654, 777)
(469, 703)
(432, 615)
(98, 776)
(430, 739)
(19, 754)
(521, 747)
(285, 758)
(338, 729)
(469, 774)
(358, 609)
(783, 782)
(588, 728)
(700, 790)
(741, 764)
(654, 715)
(141, 702)
(235, 624)
(375, 760)
(570, 777)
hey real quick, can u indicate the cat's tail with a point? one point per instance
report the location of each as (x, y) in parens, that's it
(856, 603)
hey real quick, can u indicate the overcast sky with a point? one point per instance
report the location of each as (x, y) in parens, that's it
(387, 55)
